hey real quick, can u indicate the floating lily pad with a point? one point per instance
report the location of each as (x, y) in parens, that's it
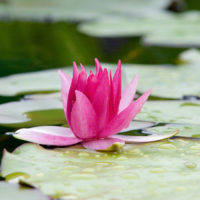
(167, 81)
(162, 170)
(31, 113)
(186, 112)
(46, 81)
(14, 191)
(191, 56)
(172, 82)
(32, 82)
(185, 130)
(54, 95)
(176, 30)
(137, 125)
(78, 10)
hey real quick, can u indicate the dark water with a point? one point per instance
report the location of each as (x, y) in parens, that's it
(32, 46)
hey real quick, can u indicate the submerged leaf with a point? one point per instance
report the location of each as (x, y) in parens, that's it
(31, 113)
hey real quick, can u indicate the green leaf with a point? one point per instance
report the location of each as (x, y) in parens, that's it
(175, 30)
(191, 56)
(172, 82)
(78, 10)
(171, 112)
(162, 170)
(33, 82)
(17, 192)
(31, 113)
(185, 130)
(46, 81)
(137, 125)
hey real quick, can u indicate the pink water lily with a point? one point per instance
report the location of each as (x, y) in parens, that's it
(95, 109)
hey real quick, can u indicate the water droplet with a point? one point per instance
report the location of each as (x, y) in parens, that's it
(129, 176)
(84, 154)
(88, 170)
(190, 165)
(69, 197)
(196, 147)
(167, 146)
(136, 151)
(70, 167)
(118, 167)
(122, 158)
(158, 170)
(103, 163)
(40, 174)
(82, 176)
(180, 188)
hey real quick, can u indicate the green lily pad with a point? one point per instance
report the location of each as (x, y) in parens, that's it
(191, 56)
(54, 95)
(172, 82)
(175, 30)
(78, 10)
(186, 112)
(46, 81)
(14, 191)
(185, 130)
(31, 113)
(154, 171)
(32, 82)
(137, 125)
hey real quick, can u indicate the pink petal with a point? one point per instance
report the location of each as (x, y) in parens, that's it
(82, 80)
(66, 82)
(101, 144)
(48, 135)
(92, 84)
(128, 94)
(123, 119)
(83, 117)
(142, 139)
(101, 100)
(115, 92)
(71, 95)
(98, 68)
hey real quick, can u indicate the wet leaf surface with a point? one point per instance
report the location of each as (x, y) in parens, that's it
(167, 170)
(185, 130)
(186, 112)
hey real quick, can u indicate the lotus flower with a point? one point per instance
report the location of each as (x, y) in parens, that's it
(95, 109)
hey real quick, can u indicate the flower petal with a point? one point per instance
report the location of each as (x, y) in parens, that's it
(115, 92)
(48, 135)
(101, 144)
(92, 84)
(101, 99)
(83, 117)
(82, 81)
(65, 82)
(71, 96)
(128, 94)
(123, 119)
(143, 139)
(99, 69)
